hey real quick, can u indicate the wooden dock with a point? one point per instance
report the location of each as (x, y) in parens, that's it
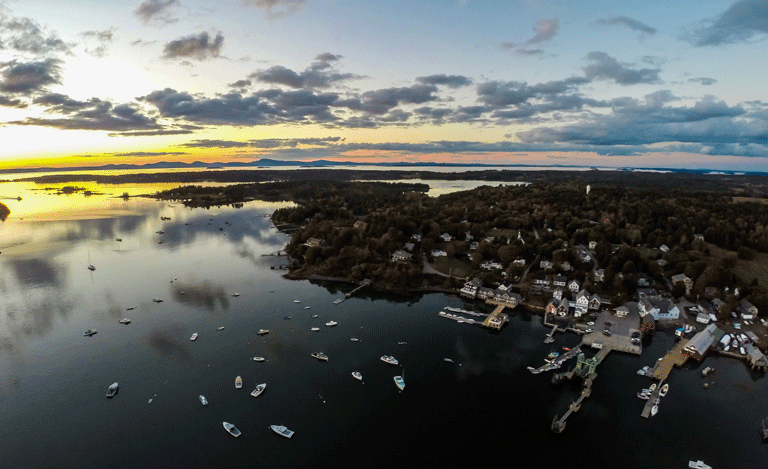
(652, 400)
(496, 319)
(675, 357)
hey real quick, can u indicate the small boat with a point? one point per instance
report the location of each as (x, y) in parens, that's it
(263, 331)
(112, 390)
(400, 382)
(331, 323)
(460, 321)
(259, 389)
(231, 429)
(402, 343)
(646, 391)
(643, 396)
(551, 357)
(89, 333)
(707, 371)
(567, 349)
(220, 328)
(235, 294)
(448, 360)
(315, 329)
(238, 382)
(314, 315)
(282, 431)
(91, 267)
(125, 321)
(149, 402)
(389, 359)
(258, 359)
(306, 307)
(296, 301)
(130, 309)
(653, 387)
(654, 409)
(320, 356)
(354, 339)
(664, 390)
(287, 318)
(194, 337)
(742, 351)
(118, 239)
(357, 375)
(698, 465)
(203, 400)
(157, 300)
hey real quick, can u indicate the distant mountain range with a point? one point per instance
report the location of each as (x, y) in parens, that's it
(266, 162)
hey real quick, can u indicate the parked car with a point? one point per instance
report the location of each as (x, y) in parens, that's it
(590, 330)
(591, 323)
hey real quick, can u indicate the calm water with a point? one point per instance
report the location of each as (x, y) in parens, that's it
(484, 409)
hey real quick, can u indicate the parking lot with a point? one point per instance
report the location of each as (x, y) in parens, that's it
(621, 331)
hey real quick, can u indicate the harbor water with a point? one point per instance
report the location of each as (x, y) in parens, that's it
(210, 270)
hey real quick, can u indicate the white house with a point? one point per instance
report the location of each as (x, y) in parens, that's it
(664, 248)
(439, 253)
(659, 309)
(702, 318)
(470, 288)
(592, 245)
(519, 262)
(594, 302)
(557, 294)
(622, 312)
(598, 275)
(546, 265)
(582, 303)
(401, 255)
(574, 285)
(446, 237)
(490, 265)
(559, 281)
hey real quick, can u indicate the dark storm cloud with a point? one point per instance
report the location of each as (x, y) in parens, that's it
(30, 77)
(94, 114)
(743, 21)
(276, 8)
(451, 81)
(25, 35)
(628, 23)
(157, 10)
(197, 46)
(604, 67)
(703, 80)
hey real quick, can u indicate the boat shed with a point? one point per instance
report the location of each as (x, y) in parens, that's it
(699, 344)
(757, 360)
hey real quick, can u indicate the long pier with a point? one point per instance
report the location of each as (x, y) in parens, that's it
(585, 368)
(549, 338)
(651, 400)
(349, 294)
(557, 362)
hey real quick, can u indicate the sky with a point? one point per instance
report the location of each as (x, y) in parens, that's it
(602, 83)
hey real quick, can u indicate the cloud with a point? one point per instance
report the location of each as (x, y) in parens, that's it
(30, 77)
(156, 10)
(149, 153)
(451, 81)
(151, 133)
(94, 114)
(10, 102)
(604, 67)
(25, 35)
(264, 143)
(207, 143)
(198, 47)
(703, 80)
(545, 31)
(240, 84)
(320, 74)
(276, 8)
(634, 25)
(103, 37)
(743, 21)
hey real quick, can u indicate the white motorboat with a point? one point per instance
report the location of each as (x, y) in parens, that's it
(331, 323)
(220, 328)
(664, 390)
(112, 390)
(258, 359)
(259, 389)
(698, 465)
(354, 339)
(231, 429)
(238, 382)
(125, 321)
(282, 431)
(306, 307)
(320, 356)
(315, 315)
(315, 329)
(653, 387)
(194, 337)
(89, 333)
(643, 396)
(235, 294)
(296, 301)
(399, 382)
(654, 409)
(357, 375)
(263, 331)
(389, 359)
(203, 400)
(448, 360)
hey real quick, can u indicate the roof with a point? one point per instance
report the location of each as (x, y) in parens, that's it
(701, 342)
(745, 304)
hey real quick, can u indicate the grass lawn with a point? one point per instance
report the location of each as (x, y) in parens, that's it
(454, 267)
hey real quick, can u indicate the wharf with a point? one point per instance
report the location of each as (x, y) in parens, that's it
(585, 368)
(557, 362)
(549, 338)
(496, 319)
(675, 357)
(651, 400)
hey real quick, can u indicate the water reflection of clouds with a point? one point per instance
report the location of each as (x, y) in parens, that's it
(37, 272)
(165, 341)
(202, 295)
